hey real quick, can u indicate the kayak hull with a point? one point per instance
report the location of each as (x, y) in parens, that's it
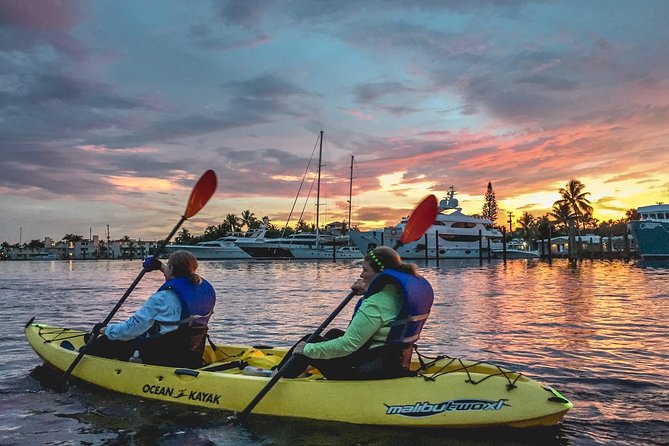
(450, 393)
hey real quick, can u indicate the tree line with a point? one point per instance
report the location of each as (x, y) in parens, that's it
(247, 222)
(573, 204)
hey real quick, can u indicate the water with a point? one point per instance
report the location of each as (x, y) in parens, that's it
(597, 332)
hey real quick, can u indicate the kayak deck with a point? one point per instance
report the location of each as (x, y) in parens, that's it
(448, 392)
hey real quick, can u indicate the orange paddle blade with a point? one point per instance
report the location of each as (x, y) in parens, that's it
(421, 219)
(202, 192)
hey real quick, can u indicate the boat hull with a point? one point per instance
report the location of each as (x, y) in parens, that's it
(652, 238)
(211, 253)
(267, 252)
(326, 253)
(517, 254)
(451, 393)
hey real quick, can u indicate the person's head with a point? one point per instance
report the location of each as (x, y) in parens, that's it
(379, 259)
(182, 264)
(383, 257)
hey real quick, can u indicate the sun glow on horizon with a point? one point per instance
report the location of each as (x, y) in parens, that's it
(610, 199)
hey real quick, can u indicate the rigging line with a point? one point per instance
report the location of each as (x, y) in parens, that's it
(311, 188)
(283, 234)
(357, 195)
(303, 208)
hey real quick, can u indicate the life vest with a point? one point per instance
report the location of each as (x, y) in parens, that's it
(197, 301)
(417, 298)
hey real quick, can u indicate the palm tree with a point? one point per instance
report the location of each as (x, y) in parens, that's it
(303, 226)
(184, 237)
(573, 195)
(543, 226)
(526, 223)
(233, 221)
(562, 213)
(249, 220)
(212, 233)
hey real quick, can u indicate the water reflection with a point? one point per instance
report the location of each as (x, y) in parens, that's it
(596, 331)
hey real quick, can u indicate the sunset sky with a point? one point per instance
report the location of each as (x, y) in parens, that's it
(111, 109)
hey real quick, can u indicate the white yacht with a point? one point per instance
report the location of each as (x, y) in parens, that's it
(452, 235)
(279, 248)
(303, 245)
(224, 248)
(517, 249)
(324, 252)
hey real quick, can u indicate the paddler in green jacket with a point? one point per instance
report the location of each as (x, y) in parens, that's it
(386, 323)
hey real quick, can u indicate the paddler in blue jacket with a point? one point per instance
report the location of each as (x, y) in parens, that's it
(170, 328)
(387, 321)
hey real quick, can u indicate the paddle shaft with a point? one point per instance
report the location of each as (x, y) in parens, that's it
(95, 333)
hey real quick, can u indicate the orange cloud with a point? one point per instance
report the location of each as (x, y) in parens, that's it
(144, 184)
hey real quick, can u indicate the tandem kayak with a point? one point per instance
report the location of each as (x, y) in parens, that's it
(447, 392)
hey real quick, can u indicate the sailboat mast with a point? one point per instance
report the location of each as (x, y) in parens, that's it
(350, 194)
(318, 188)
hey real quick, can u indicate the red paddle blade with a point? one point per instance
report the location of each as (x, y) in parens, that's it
(202, 192)
(421, 219)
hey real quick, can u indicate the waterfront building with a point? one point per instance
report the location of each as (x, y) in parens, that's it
(84, 250)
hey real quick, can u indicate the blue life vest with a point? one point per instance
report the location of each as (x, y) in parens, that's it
(197, 301)
(417, 298)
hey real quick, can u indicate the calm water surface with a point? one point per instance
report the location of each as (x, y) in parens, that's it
(597, 332)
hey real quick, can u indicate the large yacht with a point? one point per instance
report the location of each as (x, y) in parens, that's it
(224, 248)
(452, 235)
(303, 245)
(652, 232)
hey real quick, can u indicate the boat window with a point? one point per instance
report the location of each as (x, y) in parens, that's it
(439, 223)
(459, 238)
(463, 224)
(652, 216)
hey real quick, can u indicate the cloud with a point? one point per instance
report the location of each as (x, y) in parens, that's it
(40, 14)
(526, 94)
(25, 26)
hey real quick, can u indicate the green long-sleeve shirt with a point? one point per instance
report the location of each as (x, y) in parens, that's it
(368, 323)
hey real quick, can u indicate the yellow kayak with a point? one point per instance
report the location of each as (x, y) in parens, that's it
(448, 392)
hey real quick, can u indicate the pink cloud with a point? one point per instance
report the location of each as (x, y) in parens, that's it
(46, 15)
(360, 115)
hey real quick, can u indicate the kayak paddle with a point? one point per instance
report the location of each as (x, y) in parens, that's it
(199, 196)
(421, 219)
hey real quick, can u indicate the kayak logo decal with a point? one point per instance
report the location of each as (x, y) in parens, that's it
(425, 409)
(192, 395)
